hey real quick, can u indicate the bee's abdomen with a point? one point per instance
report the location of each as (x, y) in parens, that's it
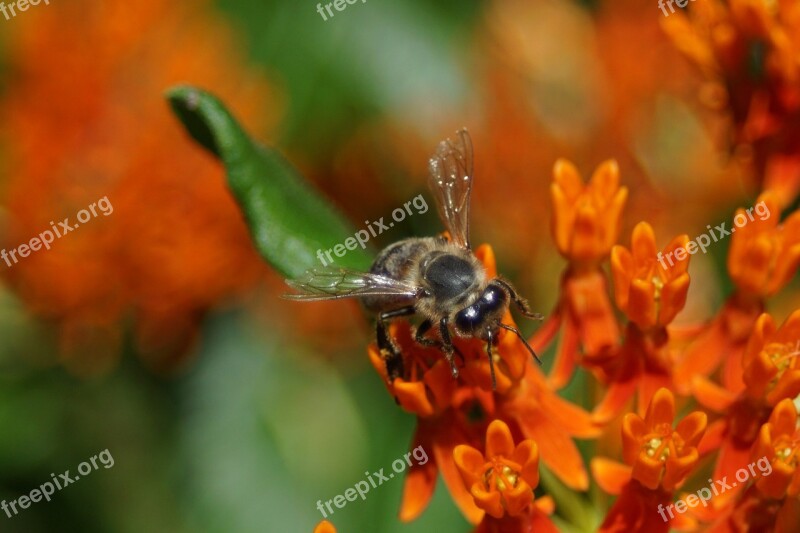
(394, 262)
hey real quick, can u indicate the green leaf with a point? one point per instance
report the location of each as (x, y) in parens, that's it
(289, 220)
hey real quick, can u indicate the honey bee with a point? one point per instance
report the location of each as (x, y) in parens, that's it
(437, 279)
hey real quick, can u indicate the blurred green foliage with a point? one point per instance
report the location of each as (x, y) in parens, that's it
(369, 59)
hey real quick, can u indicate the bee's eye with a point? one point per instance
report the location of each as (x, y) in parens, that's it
(467, 319)
(492, 298)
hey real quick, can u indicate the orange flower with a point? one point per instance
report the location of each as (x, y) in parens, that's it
(772, 360)
(501, 481)
(660, 455)
(764, 254)
(427, 385)
(779, 442)
(545, 417)
(463, 423)
(771, 504)
(325, 527)
(586, 217)
(750, 53)
(176, 244)
(586, 319)
(660, 459)
(771, 374)
(503, 478)
(585, 226)
(718, 34)
(763, 257)
(651, 289)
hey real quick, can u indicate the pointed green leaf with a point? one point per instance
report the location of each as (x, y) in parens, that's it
(289, 220)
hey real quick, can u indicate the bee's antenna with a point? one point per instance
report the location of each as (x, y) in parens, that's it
(491, 361)
(528, 346)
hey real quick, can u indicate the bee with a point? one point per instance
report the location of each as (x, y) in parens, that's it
(438, 279)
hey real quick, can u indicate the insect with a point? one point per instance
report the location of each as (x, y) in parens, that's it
(437, 279)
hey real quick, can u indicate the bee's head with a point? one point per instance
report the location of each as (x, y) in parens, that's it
(481, 318)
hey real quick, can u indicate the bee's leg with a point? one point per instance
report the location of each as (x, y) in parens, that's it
(389, 350)
(419, 335)
(447, 345)
(422, 340)
(491, 361)
(391, 355)
(521, 303)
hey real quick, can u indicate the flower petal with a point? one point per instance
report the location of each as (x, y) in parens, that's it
(692, 427)
(518, 498)
(610, 475)
(556, 450)
(661, 409)
(470, 463)
(499, 441)
(488, 501)
(419, 483)
(527, 455)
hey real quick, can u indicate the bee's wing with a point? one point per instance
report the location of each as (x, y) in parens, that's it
(451, 170)
(331, 284)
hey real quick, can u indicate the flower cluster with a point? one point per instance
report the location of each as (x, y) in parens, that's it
(740, 368)
(734, 379)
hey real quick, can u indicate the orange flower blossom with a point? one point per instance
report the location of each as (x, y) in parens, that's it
(585, 227)
(501, 479)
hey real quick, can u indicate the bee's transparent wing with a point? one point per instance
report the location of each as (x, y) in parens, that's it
(451, 170)
(332, 284)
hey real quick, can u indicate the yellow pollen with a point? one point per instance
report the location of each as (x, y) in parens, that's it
(506, 476)
(511, 476)
(655, 446)
(658, 284)
(782, 356)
